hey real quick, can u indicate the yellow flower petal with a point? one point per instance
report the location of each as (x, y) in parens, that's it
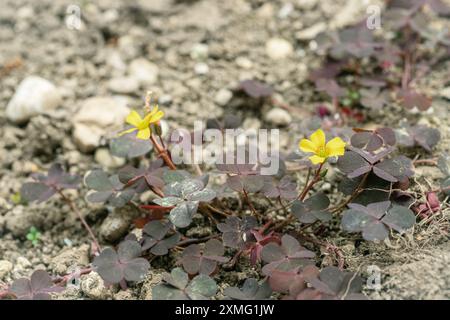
(316, 159)
(335, 147)
(133, 118)
(157, 117)
(318, 138)
(127, 131)
(151, 113)
(307, 146)
(143, 134)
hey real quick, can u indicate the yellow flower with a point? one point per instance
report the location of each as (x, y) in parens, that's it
(142, 125)
(322, 150)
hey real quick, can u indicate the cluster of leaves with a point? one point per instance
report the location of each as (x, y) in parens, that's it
(311, 284)
(395, 63)
(368, 153)
(38, 287)
(158, 239)
(312, 209)
(376, 219)
(107, 189)
(184, 196)
(251, 290)
(125, 264)
(33, 236)
(236, 231)
(203, 261)
(177, 286)
(45, 186)
(420, 135)
(285, 257)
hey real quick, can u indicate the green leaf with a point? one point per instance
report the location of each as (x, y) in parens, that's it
(165, 292)
(399, 218)
(128, 146)
(181, 215)
(354, 220)
(201, 287)
(172, 176)
(98, 180)
(375, 232)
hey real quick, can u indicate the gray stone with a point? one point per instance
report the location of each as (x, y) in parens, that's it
(201, 68)
(285, 10)
(165, 99)
(251, 124)
(116, 224)
(107, 160)
(351, 13)
(114, 227)
(278, 48)
(311, 32)
(124, 85)
(97, 117)
(145, 72)
(114, 60)
(223, 96)
(244, 62)
(129, 47)
(278, 116)
(33, 96)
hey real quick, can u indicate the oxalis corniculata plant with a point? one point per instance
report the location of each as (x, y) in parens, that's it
(282, 239)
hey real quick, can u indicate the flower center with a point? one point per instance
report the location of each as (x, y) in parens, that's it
(142, 125)
(322, 152)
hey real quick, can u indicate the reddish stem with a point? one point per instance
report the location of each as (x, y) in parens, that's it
(83, 221)
(311, 184)
(163, 153)
(247, 198)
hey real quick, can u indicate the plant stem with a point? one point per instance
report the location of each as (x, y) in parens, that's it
(310, 184)
(282, 205)
(83, 221)
(355, 193)
(163, 153)
(283, 223)
(406, 71)
(301, 197)
(192, 241)
(432, 161)
(64, 279)
(247, 198)
(215, 210)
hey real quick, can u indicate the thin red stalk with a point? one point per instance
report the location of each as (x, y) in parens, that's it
(80, 216)
(355, 193)
(311, 184)
(163, 153)
(249, 202)
(64, 279)
(192, 241)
